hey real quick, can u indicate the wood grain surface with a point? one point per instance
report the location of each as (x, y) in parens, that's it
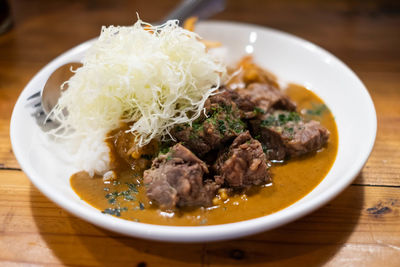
(361, 227)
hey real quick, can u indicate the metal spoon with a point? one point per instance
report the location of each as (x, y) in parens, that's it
(52, 89)
(51, 92)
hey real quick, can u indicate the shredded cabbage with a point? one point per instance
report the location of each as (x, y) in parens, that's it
(153, 77)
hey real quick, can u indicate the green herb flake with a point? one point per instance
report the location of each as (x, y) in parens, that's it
(111, 211)
(228, 109)
(280, 119)
(141, 206)
(289, 130)
(129, 198)
(197, 126)
(221, 126)
(111, 195)
(132, 187)
(192, 136)
(237, 126)
(317, 110)
(165, 150)
(294, 116)
(258, 110)
(269, 121)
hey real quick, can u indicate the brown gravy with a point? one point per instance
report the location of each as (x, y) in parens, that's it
(291, 181)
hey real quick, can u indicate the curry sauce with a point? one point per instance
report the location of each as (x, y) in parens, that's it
(291, 180)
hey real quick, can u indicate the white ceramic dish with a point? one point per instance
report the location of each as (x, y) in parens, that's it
(291, 59)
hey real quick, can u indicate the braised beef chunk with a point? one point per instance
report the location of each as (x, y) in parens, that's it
(123, 146)
(244, 164)
(222, 124)
(124, 142)
(176, 179)
(262, 97)
(284, 134)
(222, 98)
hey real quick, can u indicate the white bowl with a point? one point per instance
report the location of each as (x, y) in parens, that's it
(290, 58)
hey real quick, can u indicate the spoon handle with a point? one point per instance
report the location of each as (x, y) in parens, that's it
(203, 9)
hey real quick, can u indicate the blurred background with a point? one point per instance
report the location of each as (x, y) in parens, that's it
(42, 29)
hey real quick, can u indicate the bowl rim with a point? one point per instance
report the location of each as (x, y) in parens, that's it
(194, 233)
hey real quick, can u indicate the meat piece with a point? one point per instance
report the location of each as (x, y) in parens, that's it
(257, 89)
(222, 98)
(176, 179)
(285, 134)
(124, 150)
(123, 143)
(244, 164)
(262, 97)
(190, 136)
(223, 124)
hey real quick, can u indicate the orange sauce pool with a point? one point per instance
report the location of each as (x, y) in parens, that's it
(291, 181)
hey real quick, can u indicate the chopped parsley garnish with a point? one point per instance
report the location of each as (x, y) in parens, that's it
(228, 109)
(221, 126)
(281, 119)
(164, 150)
(317, 110)
(197, 126)
(128, 195)
(258, 110)
(115, 212)
(193, 136)
(293, 116)
(132, 187)
(237, 125)
(141, 206)
(289, 130)
(112, 195)
(269, 121)
(225, 120)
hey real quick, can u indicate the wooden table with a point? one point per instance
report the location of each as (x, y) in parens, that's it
(361, 227)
